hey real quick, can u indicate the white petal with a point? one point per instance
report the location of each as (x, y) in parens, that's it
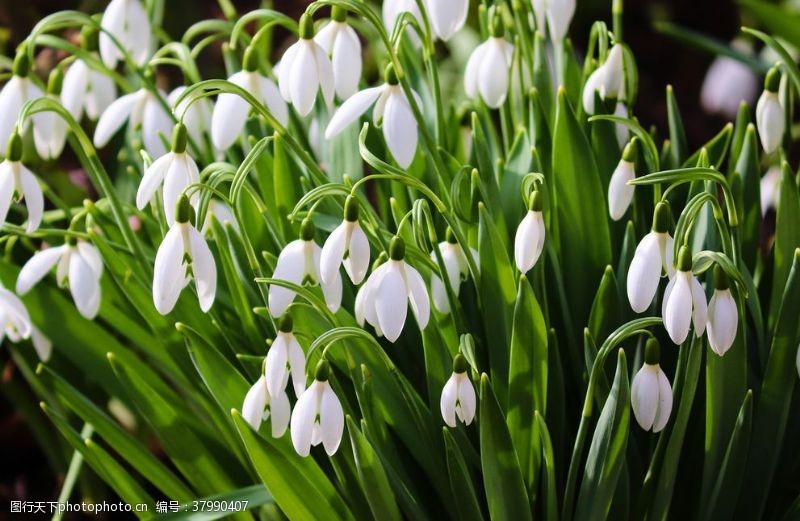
(667, 252)
(351, 110)
(418, 296)
(613, 75)
(771, 121)
(271, 97)
(6, 189)
(644, 396)
(528, 241)
(155, 123)
(439, 295)
(113, 22)
(285, 71)
(664, 402)
(113, 118)
(346, 62)
(325, 73)
(447, 17)
(297, 364)
(331, 420)
(230, 114)
(37, 267)
(357, 262)
(493, 74)
(466, 397)
(620, 193)
(391, 303)
(447, 403)
(290, 267)
(326, 35)
(332, 291)
(472, 72)
(400, 129)
(16, 314)
(699, 307)
(255, 401)
(204, 269)
(42, 344)
(169, 274)
(644, 273)
(304, 78)
(152, 179)
(92, 257)
(723, 320)
(138, 26)
(34, 199)
(332, 253)
(678, 310)
(559, 16)
(102, 93)
(279, 413)
(12, 97)
(84, 286)
(275, 365)
(181, 173)
(303, 416)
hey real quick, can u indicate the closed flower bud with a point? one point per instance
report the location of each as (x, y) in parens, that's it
(684, 301)
(723, 315)
(652, 258)
(447, 16)
(487, 72)
(456, 268)
(347, 245)
(341, 43)
(651, 392)
(770, 117)
(285, 358)
(529, 239)
(305, 69)
(458, 395)
(620, 192)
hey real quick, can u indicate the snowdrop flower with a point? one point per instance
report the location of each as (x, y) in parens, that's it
(347, 245)
(447, 17)
(14, 319)
(318, 416)
(487, 72)
(285, 357)
(392, 9)
(723, 315)
(41, 344)
(559, 16)
(196, 117)
(260, 406)
(86, 90)
(728, 83)
(305, 70)
(18, 183)
(14, 94)
(593, 84)
(770, 118)
(127, 21)
(183, 255)
(651, 392)
(608, 80)
(341, 43)
(138, 108)
(230, 111)
(49, 128)
(458, 395)
(392, 112)
(529, 240)
(770, 189)
(383, 300)
(80, 267)
(299, 263)
(456, 268)
(622, 132)
(176, 170)
(653, 256)
(684, 301)
(620, 193)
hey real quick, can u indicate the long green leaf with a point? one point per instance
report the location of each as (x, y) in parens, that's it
(372, 476)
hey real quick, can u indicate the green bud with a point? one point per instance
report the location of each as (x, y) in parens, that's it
(285, 324)
(397, 248)
(684, 259)
(307, 230)
(22, 64)
(652, 351)
(535, 203)
(185, 211)
(55, 81)
(662, 216)
(179, 138)
(772, 81)
(71, 240)
(721, 281)
(14, 148)
(323, 371)
(390, 75)
(460, 364)
(338, 14)
(450, 236)
(497, 29)
(306, 27)
(351, 209)
(90, 38)
(629, 154)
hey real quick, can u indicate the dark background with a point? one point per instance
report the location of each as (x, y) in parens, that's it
(24, 471)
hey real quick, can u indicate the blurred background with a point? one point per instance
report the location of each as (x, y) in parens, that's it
(25, 472)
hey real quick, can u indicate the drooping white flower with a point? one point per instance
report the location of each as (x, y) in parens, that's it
(14, 94)
(487, 72)
(384, 299)
(608, 80)
(723, 315)
(318, 416)
(80, 267)
(182, 256)
(285, 357)
(127, 21)
(653, 256)
(305, 70)
(41, 344)
(620, 193)
(728, 83)
(770, 189)
(299, 263)
(347, 245)
(15, 323)
(559, 16)
(684, 301)
(231, 110)
(138, 108)
(392, 112)
(456, 268)
(196, 117)
(259, 406)
(651, 392)
(458, 395)
(392, 9)
(590, 88)
(529, 239)
(176, 170)
(340, 42)
(86, 90)
(621, 130)
(770, 117)
(49, 128)
(447, 17)
(18, 183)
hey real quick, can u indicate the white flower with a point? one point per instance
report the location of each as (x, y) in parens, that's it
(728, 83)
(260, 406)
(458, 395)
(285, 357)
(447, 17)
(620, 193)
(49, 128)
(653, 256)
(592, 85)
(222, 212)
(14, 94)
(341, 43)
(540, 13)
(41, 344)
(347, 245)
(14, 319)
(383, 300)
(176, 170)
(392, 9)
(684, 301)
(18, 183)
(559, 16)
(231, 110)
(651, 392)
(86, 91)
(456, 268)
(621, 110)
(392, 112)
(770, 117)
(127, 21)
(305, 70)
(138, 108)
(183, 255)
(80, 267)
(318, 416)
(529, 239)
(299, 263)
(196, 117)
(770, 189)
(723, 315)
(487, 72)
(608, 80)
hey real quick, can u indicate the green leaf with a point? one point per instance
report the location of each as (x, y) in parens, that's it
(284, 187)
(549, 483)
(679, 148)
(606, 456)
(749, 204)
(502, 477)
(778, 20)
(710, 45)
(516, 168)
(606, 311)
(787, 238)
(716, 148)
(467, 506)
(372, 476)
(252, 496)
